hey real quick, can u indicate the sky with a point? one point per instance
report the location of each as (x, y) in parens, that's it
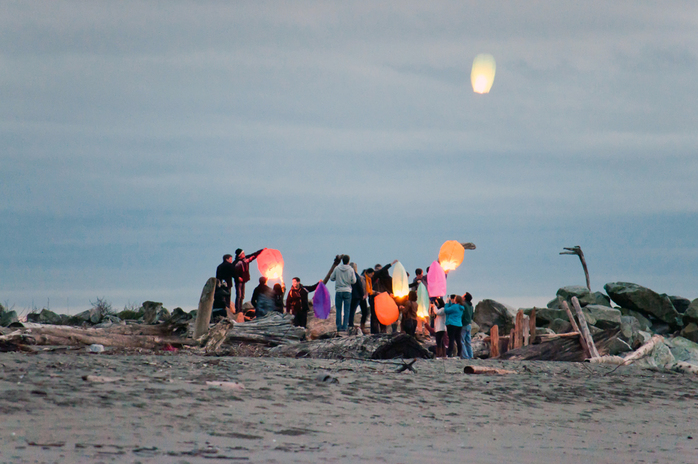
(141, 141)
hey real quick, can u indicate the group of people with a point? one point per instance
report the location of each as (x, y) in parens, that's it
(449, 321)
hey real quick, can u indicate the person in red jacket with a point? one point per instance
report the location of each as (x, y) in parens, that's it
(241, 274)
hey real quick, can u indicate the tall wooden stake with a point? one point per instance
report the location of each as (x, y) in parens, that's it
(577, 250)
(575, 328)
(585, 329)
(203, 315)
(494, 341)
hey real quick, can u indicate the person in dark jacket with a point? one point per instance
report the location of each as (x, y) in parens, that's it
(221, 301)
(279, 291)
(357, 296)
(241, 274)
(409, 314)
(297, 301)
(467, 327)
(224, 273)
(262, 298)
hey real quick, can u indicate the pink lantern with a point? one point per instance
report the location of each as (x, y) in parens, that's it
(436, 280)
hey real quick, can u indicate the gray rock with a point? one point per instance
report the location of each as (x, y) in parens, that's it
(151, 312)
(690, 332)
(602, 299)
(560, 326)
(645, 324)
(583, 294)
(659, 357)
(617, 346)
(490, 312)
(644, 300)
(95, 348)
(474, 328)
(8, 317)
(48, 317)
(680, 303)
(691, 314)
(645, 337)
(660, 328)
(683, 349)
(554, 303)
(604, 317)
(545, 316)
(630, 331)
(594, 330)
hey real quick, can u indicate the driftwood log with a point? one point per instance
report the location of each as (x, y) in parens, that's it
(271, 330)
(561, 349)
(575, 329)
(577, 250)
(584, 328)
(203, 315)
(376, 346)
(486, 370)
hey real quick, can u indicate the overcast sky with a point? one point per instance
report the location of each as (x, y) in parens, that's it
(140, 141)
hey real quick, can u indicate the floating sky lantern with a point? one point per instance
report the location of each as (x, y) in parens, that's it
(482, 75)
(451, 255)
(422, 302)
(386, 308)
(271, 264)
(401, 286)
(321, 301)
(436, 280)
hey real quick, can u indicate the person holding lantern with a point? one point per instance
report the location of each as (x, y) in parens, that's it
(436, 311)
(409, 314)
(344, 277)
(241, 274)
(381, 282)
(297, 301)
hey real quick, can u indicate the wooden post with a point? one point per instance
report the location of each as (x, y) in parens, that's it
(526, 331)
(585, 329)
(532, 325)
(203, 315)
(512, 336)
(335, 263)
(494, 342)
(518, 329)
(575, 328)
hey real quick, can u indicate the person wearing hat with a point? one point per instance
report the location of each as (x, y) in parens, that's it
(241, 274)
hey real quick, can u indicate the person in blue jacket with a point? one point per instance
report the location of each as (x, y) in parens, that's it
(454, 323)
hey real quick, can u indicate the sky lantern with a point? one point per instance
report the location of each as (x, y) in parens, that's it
(451, 255)
(386, 308)
(321, 301)
(401, 286)
(436, 280)
(271, 264)
(422, 301)
(482, 75)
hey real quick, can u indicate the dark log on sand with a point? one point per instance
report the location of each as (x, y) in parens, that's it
(376, 346)
(486, 370)
(561, 349)
(72, 336)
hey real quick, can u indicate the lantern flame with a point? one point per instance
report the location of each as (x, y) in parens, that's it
(482, 74)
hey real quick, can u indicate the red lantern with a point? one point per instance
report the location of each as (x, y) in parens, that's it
(271, 264)
(386, 309)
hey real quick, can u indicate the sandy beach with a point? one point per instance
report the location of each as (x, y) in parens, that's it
(168, 407)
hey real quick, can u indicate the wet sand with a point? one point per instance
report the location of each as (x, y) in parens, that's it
(162, 410)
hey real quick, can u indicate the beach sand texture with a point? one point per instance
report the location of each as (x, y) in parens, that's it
(159, 408)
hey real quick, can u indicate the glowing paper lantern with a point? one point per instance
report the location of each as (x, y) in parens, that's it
(482, 75)
(422, 301)
(401, 286)
(271, 264)
(436, 280)
(386, 308)
(451, 255)
(321, 301)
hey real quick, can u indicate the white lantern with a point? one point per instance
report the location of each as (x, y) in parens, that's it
(482, 75)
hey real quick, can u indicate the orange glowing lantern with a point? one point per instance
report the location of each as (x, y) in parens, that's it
(482, 74)
(451, 255)
(386, 308)
(271, 264)
(401, 286)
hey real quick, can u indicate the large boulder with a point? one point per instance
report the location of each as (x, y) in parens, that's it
(617, 346)
(583, 294)
(602, 299)
(691, 314)
(560, 326)
(545, 316)
(645, 324)
(690, 332)
(490, 312)
(645, 301)
(151, 312)
(680, 303)
(630, 331)
(8, 317)
(48, 317)
(683, 349)
(604, 317)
